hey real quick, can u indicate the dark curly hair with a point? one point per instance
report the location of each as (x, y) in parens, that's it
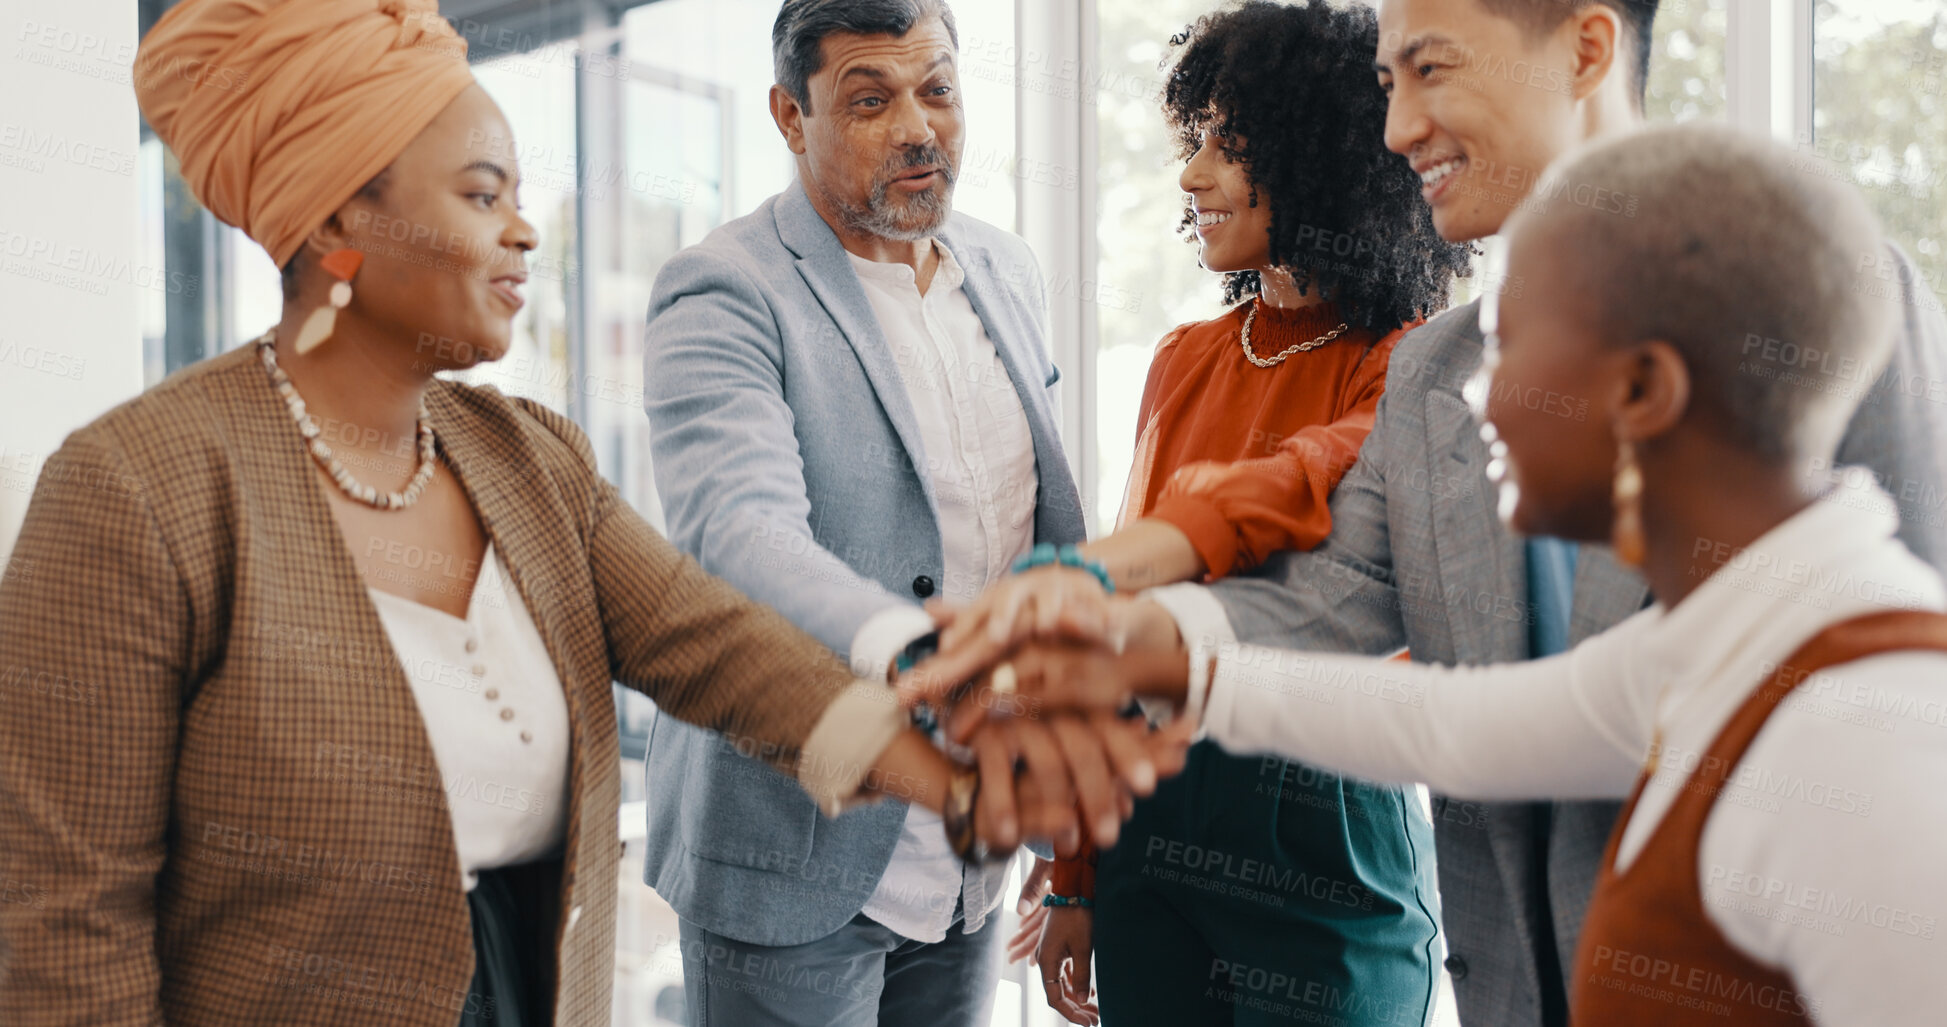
(1288, 89)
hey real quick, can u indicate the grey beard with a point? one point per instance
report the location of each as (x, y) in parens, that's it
(921, 219)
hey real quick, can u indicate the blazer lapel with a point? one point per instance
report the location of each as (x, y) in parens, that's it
(1482, 568)
(978, 264)
(828, 272)
(541, 582)
(299, 526)
(1011, 334)
(357, 671)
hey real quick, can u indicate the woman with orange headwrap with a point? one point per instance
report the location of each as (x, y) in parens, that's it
(309, 726)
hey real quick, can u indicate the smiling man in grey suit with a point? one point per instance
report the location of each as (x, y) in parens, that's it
(1484, 94)
(852, 411)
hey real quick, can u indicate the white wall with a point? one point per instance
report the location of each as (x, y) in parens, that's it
(71, 277)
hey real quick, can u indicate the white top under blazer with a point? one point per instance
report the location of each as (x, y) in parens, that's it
(495, 714)
(1822, 858)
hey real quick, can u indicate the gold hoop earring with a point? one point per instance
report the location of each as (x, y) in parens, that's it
(342, 265)
(1626, 528)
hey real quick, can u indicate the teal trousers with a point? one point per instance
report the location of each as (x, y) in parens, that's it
(1254, 891)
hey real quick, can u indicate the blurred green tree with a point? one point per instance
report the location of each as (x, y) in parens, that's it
(1880, 117)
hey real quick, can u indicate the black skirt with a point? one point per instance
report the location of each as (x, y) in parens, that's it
(515, 910)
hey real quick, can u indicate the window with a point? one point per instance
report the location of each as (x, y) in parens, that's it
(1880, 117)
(1687, 61)
(536, 91)
(1150, 279)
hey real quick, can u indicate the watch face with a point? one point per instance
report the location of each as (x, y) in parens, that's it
(923, 646)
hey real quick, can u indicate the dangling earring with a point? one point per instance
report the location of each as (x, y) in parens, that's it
(342, 265)
(1626, 529)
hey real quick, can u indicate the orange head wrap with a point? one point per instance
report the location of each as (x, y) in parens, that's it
(279, 111)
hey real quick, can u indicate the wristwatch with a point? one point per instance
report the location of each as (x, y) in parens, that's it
(916, 651)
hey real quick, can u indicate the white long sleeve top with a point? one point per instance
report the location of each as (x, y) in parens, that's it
(1822, 858)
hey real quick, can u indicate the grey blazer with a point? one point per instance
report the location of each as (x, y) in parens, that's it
(790, 464)
(1417, 558)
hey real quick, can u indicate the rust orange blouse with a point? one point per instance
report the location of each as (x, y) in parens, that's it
(1242, 458)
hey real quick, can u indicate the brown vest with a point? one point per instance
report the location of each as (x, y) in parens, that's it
(1649, 954)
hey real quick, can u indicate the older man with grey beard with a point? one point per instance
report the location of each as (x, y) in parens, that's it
(853, 411)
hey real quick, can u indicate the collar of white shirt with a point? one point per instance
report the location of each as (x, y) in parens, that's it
(949, 275)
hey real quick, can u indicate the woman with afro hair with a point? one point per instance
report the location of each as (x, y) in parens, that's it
(1249, 890)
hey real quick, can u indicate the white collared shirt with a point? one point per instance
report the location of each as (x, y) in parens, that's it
(979, 457)
(495, 715)
(1821, 858)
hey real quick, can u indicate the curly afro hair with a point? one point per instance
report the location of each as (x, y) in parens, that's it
(1289, 92)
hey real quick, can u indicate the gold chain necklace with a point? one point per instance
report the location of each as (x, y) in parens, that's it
(1296, 347)
(307, 427)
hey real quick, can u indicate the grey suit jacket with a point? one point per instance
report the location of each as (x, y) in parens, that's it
(1418, 558)
(790, 464)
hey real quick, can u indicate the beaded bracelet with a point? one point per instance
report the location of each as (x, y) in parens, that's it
(1068, 900)
(1045, 553)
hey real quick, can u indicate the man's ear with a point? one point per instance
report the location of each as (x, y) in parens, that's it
(1595, 33)
(789, 116)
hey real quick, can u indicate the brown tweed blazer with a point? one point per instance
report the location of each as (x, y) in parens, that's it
(218, 804)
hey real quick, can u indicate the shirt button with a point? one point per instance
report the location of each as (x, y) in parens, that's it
(922, 586)
(492, 693)
(479, 670)
(1456, 967)
(506, 713)
(527, 736)
(472, 645)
